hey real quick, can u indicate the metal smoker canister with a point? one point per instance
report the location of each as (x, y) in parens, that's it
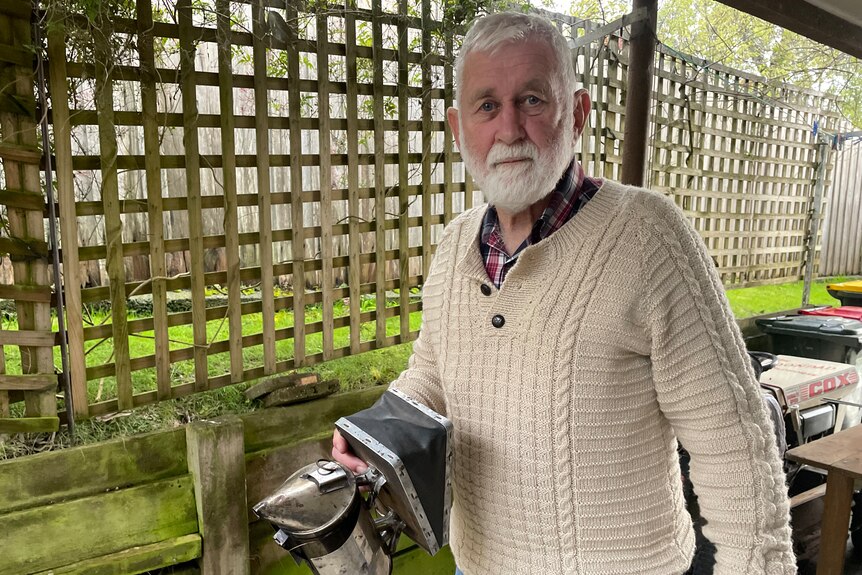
(319, 516)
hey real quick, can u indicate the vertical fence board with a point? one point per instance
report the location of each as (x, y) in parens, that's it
(325, 143)
(188, 86)
(448, 101)
(264, 186)
(297, 219)
(231, 221)
(155, 211)
(354, 276)
(380, 191)
(426, 139)
(71, 284)
(403, 174)
(111, 201)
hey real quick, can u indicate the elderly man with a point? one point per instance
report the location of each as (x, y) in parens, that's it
(573, 329)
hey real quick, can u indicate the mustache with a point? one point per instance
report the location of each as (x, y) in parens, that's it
(505, 152)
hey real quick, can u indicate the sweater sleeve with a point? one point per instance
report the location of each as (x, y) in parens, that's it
(421, 379)
(706, 389)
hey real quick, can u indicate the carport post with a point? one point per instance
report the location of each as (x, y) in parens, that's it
(639, 93)
(814, 221)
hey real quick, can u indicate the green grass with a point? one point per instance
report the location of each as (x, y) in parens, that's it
(747, 302)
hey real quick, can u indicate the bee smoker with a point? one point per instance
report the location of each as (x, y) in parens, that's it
(323, 517)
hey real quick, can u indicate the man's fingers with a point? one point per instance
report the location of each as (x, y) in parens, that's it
(342, 454)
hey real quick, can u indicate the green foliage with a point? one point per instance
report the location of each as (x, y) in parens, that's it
(718, 33)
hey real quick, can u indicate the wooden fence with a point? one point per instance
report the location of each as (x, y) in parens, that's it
(842, 249)
(204, 153)
(191, 489)
(23, 224)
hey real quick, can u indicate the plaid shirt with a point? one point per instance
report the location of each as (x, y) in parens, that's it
(571, 193)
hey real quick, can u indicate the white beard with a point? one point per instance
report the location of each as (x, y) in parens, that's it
(515, 187)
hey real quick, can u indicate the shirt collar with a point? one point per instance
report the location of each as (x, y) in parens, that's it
(563, 200)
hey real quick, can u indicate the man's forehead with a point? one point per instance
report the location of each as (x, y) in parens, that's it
(518, 65)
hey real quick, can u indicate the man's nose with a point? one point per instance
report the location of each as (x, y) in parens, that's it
(511, 125)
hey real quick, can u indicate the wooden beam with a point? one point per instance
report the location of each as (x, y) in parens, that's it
(16, 9)
(29, 424)
(20, 153)
(24, 199)
(15, 55)
(27, 338)
(807, 20)
(29, 382)
(30, 293)
(217, 464)
(137, 559)
(94, 526)
(20, 249)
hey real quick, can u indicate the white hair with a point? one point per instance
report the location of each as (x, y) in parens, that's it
(490, 32)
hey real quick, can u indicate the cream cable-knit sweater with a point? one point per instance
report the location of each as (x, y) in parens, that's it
(617, 338)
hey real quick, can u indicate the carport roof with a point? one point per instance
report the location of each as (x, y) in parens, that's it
(835, 23)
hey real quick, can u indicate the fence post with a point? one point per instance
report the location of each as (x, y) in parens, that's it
(217, 464)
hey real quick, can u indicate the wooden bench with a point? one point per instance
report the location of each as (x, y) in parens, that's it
(840, 455)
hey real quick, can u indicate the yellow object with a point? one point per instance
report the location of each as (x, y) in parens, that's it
(852, 287)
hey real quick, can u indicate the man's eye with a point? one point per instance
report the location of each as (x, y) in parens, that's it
(533, 100)
(487, 107)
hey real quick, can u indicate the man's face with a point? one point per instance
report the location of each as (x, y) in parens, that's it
(515, 134)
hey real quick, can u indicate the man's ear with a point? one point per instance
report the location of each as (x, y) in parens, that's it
(452, 116)
(582, 108)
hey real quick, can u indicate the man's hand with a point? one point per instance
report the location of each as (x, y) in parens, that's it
(342, 454)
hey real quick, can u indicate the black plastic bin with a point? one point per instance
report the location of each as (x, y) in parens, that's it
(829, 338)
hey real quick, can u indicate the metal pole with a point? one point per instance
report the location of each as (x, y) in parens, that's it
(639, 93)
(52, 218)
(814, 219)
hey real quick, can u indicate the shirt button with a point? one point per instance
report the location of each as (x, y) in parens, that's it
(486, 289)
(498, 321)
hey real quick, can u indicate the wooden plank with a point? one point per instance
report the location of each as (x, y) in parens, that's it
(57, 476)
(44, 424)
(353, 208)
(403, 172)
(427, 249)
(29, 382)
(16, 56)
(836, 519)
(27, 338)
(16, 9)
(261, 114)
(231, 219)
(270, 385)
(379, 175)
(838, 451)
(448, 102)
(155, 207)
(4, 395)
(66, 213)
(300, 393)
(21, 249)
(325, 145)
(111, 199)
(273, 427)
(24, 199)
(297, 245)
(95, 526)
(137, 559)
(193, 183)
(217, 464)
(42, 294)
(806, 496)
(20, 152)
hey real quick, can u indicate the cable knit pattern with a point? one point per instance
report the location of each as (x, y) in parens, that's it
(617, 340)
